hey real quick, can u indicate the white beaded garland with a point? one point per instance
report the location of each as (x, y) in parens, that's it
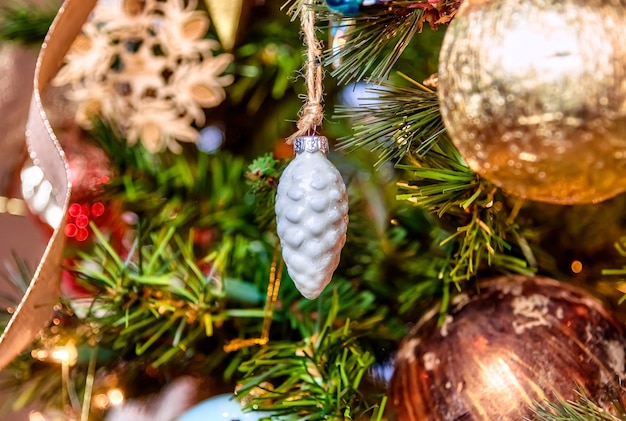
(312, 216)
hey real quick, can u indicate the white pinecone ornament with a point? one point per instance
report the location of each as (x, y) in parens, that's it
(312, 216)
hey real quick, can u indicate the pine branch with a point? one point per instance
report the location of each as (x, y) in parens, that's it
(404, 124)
(620, 247)
(196, 248)
(141, 301)
(394, 121)
(582, 409)
(441, 182)
(25, 24)
(318, 378)
(374, 40)
(161, 298)
(262, 175)
(482, 226)
(373, 44)
(162, 185)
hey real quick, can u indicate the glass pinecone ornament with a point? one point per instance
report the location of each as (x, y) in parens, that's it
(311, 216)
(532, 94)
(519, 340)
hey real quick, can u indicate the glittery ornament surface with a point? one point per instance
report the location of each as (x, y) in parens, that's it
(312, 217)
(533, 94)
(518, 341)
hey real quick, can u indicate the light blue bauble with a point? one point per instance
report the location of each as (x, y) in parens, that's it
(222, 408)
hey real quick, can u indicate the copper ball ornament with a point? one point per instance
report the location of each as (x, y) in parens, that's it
(518, 341)
(533, 94)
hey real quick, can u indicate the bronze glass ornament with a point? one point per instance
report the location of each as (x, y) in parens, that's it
(520, 340)
(533, 94)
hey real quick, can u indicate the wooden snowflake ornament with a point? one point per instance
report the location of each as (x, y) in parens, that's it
(312, 216)
(150, 62)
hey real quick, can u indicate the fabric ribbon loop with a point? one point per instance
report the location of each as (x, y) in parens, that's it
(36, 307)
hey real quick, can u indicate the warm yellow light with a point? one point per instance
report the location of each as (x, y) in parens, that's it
(500, 383)
(577, 266)
(116, 397)
(101, 401)
(498, 377)
(61, 355)
(65, 354)
(39, 354)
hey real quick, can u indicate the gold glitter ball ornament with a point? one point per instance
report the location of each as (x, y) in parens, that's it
(533, 94)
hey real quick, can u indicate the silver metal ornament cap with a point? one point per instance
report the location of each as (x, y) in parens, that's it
(310, 144)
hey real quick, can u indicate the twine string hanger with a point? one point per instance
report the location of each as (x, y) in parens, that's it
(311, 114)
(310, 117)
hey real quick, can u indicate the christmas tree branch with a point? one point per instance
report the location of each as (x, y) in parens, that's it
(373, 45)
(168, 293)
(393, 121)
(262, 175)
(317, 378)
(376, 38)
(620, 247)
(404, 124)
(581, 409)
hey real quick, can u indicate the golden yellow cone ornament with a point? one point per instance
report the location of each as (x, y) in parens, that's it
(225, 15)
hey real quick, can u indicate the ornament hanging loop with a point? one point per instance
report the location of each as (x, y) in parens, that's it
(311, 114)
(311, 117)
(311, 199)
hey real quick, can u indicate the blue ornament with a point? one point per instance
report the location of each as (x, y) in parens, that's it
(352, 7)
(345, 7)
(222, 407)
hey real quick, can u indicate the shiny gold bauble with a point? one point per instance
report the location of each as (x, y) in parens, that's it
(519, 341)
(533, 94)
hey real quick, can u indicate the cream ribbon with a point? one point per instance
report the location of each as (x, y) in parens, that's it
(36, 307)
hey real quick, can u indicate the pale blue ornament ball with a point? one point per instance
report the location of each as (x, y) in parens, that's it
(222, 408)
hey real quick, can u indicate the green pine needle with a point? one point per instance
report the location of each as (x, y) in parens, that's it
(319, 378)
(158, 303)
(582, 409)
(137, 304)
(262, 175)
(373, 44)
(163, 185)
(620, 247)
(394, 121)
(404, 125)
(196, 248)
(482, 232)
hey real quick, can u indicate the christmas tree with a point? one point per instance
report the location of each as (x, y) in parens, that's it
(178, 240)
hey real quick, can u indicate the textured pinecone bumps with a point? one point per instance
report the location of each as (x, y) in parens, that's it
(312, 216)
